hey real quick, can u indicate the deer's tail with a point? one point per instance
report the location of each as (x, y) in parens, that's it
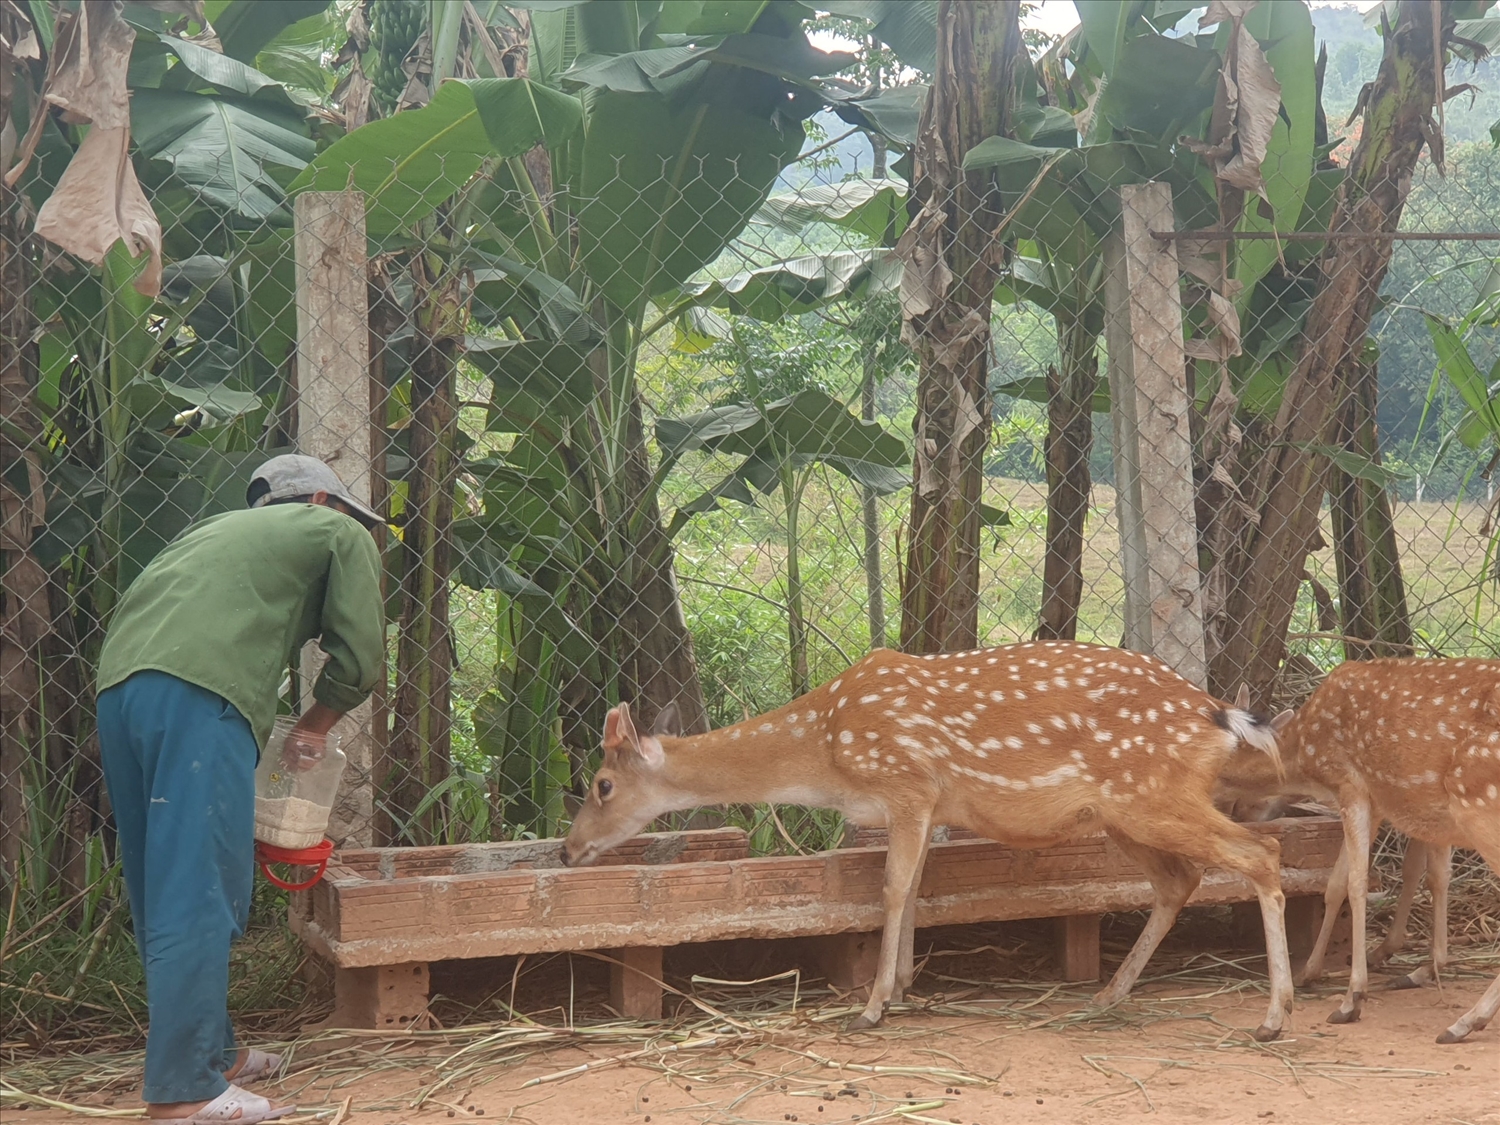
(1253, 730)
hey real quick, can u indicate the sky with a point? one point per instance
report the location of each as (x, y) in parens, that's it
(1058, 16)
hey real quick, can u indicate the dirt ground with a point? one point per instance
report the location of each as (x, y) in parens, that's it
(967, 1051)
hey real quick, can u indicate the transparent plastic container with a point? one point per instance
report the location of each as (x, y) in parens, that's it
(294, 796)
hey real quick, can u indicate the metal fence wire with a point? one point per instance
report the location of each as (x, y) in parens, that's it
(643, 382)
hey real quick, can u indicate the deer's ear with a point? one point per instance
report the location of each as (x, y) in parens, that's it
(668, 721)
(621, 737)
(1281, 721)
(1242, 700)
(619, 730)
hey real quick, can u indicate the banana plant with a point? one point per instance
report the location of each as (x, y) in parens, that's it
(132, 375)
(153, 399)
(664, 126)
(781, 442)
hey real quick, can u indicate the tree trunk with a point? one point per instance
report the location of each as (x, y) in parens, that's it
(870, 515)
(25, 619)
(525, 746)
(385, 318)
(952, 263)
(1286, 487)
(869, 378)
(419, 747)
(796, 617)
(72, 749)
(1372, 596)
(1070, 439)
(657, 664)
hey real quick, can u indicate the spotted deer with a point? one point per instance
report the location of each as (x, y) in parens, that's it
(1436, 862)
(1028, 744)
(1414, 742)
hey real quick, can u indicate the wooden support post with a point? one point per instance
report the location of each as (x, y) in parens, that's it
(1077, 947)
(333, 424)
(1150, 405)
(1303, 916)
(381, 996)
(1246, 927)
(635, 983)
(848, 961)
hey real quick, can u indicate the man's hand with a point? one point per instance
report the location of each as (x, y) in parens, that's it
(307, 742)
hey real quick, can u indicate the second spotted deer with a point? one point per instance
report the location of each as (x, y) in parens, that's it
(1414, 742)
(1029, 745)
(1435, 862)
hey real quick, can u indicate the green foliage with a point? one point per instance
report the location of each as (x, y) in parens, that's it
(408, 164)
(797, 285)
(223, 148)
(666, 186)
(791, 433)
(873, 208)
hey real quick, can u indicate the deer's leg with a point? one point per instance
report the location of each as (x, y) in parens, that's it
(1333, 902)
(1439, 864)
(903, 874)
(1173, 879)
(1475, 1018)
(1439, 875)
(1258, 858)
(1357, 832)
(1482, 831)
(1208, 838)
(1413, 863)
(906, 964)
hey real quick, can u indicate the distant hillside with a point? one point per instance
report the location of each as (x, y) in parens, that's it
(1354, 56)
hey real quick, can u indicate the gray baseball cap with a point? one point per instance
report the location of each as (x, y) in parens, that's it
(293, 474)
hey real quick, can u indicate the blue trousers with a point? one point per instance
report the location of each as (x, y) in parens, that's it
(179, 762)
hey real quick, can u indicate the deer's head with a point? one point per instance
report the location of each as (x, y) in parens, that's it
(627, 793)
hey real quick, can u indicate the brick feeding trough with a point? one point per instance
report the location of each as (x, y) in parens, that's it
(382, 915)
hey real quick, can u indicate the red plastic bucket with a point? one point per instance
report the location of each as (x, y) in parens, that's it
(315, 856)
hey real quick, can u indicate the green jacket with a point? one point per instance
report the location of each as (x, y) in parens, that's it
(230, 604)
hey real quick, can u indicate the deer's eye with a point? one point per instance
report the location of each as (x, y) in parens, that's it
(606, 786)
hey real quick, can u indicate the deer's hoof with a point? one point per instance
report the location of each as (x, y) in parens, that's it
(863, 1022)
(1265, 1033)
(1338, 1015)
(1406, 980)
(1451, 1036)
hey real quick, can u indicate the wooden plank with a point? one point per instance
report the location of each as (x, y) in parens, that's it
(430, 919)
(691, 846)
(333, 424)
(1153, 449)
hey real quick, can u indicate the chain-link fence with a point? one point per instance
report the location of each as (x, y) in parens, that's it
(628, 374)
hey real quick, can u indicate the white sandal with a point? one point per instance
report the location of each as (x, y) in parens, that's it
(258, 1065)
(237, 1107)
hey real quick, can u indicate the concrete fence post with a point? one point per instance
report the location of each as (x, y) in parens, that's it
(1153, 452)
(333, 424)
